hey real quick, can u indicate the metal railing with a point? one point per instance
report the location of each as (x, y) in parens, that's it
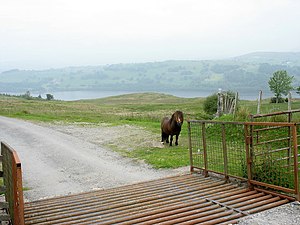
(217, 147)
(287, 116)
(263, 154)
(12, 179)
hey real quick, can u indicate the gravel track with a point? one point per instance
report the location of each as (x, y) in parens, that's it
(57, 163)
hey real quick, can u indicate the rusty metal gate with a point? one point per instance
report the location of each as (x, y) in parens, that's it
(12, 180)
(265, 155)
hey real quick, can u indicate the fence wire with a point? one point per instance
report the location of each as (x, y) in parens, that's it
(218, 147)
(264, 154)
(273, 155)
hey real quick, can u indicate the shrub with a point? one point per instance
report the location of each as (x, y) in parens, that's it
(270, 171)
(278, 118)
(225, 118)
(280, 100)
(210, 104)
(242, 114)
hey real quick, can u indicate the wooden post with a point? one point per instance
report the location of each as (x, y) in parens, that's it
(220, 103)
(259, 101)
(235, 103)
(289, 101)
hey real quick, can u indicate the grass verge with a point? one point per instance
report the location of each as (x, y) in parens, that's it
(144, 110)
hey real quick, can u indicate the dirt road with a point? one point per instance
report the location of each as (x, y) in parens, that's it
(56, 163)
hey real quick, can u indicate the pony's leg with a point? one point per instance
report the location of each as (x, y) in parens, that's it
(171, 139)
(176, 142)
(162, 137)
(167, 138)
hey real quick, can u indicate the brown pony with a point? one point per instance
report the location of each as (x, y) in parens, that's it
(170, 127)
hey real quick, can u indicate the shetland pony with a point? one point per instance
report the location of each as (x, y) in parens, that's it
(170, 127)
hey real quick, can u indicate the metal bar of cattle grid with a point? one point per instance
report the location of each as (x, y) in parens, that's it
(186, 199)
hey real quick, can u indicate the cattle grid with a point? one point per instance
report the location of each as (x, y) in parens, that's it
(186, 199)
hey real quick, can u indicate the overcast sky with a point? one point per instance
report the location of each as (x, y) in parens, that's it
(41, 34)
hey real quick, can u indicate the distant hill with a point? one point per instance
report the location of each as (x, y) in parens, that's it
(274, 58)
(249, 72)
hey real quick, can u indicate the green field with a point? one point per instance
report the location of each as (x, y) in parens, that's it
(142, 110)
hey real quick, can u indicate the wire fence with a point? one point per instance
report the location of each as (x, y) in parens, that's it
(264, 154)
(218, 147)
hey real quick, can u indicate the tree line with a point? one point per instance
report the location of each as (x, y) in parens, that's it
(27, 95)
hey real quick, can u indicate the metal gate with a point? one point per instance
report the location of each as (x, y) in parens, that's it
(12, 179)
(265, 155)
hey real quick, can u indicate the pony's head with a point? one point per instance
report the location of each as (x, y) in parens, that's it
(178, 117)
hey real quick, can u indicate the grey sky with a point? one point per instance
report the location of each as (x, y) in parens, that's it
(40, 34)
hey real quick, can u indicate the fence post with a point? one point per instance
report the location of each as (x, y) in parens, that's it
(295, 147)
(204, 150)
(190, 147)
(259, 101)
(220, 103)
(13, 181)
(248, 141)
(289, 101)
(18, 190)
(235, 103)
(225, 152)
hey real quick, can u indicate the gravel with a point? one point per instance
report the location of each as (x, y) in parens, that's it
(59, 159)
(64, 159)
(288, 214)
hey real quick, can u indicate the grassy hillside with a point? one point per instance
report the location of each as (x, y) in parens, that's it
(248, 73)
(117, 110)
(141, 110)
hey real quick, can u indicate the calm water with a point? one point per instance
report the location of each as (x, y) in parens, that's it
(77, 95)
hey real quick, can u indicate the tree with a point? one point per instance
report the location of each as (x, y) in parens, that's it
(298, 90)
(49, 97)
(280, 83)
(27, 95)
